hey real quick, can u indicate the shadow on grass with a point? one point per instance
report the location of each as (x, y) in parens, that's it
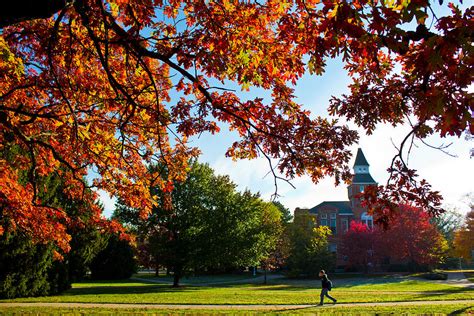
(337, 283)
(453, 290)
(460, 311)
(283, 287)
(97, 289)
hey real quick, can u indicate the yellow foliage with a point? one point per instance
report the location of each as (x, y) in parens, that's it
(464, 239)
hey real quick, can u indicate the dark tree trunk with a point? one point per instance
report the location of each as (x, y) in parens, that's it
(176, 278)
(12, 12)
(265, 275)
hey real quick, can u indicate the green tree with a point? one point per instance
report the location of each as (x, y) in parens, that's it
(309, 251)
(29, 268)
(286, 216)
(447, 223)
(115, 261)
(464, 238)
(210, 227)
(24, 266)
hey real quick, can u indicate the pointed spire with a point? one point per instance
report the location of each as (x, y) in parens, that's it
(360, 159)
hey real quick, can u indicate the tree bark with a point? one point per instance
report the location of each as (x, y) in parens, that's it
(176, 278)
(265, 275)
(12, 12)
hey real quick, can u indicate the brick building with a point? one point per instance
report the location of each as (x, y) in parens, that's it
(338, 214)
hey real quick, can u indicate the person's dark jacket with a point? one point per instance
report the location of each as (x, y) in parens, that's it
(325, 282)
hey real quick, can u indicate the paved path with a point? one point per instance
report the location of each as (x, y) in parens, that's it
(456, 279)
(228, 307)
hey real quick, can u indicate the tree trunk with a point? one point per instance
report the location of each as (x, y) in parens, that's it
(12, 12)
(176, 278)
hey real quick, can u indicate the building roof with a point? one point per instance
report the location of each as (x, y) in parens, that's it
(341, 206)
(360, 159)
(363, 178)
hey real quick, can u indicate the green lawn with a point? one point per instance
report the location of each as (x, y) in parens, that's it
(281, 291)
(455, 309)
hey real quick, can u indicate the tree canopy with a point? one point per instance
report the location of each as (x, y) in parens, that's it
(210, 227)
(464, 236)
(113, 85)
(412, 239)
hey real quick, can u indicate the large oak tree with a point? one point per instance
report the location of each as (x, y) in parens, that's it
(113, 85)
(211, 228)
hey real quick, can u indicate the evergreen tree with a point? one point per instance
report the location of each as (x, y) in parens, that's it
(115, 261)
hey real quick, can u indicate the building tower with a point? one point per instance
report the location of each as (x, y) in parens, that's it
(361, 179)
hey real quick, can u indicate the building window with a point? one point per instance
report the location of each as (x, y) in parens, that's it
(332, 223)
(324, 220)
(333, 247)
(345, 224)
(361, 188)
(367, 219)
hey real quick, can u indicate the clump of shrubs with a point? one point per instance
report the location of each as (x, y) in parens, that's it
(434, 275)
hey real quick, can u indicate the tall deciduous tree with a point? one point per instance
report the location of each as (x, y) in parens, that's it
(448, 223)
(210, 226)
(102, 84)
(464, 238)
(279, 255)
(361, 246)
(413, 238)
(308, 245)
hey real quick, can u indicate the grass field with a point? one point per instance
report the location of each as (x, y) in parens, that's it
(280, 291)
(348, 289)
(455, 309)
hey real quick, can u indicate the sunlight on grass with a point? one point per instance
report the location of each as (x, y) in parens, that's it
(280, 293)
(452, 309)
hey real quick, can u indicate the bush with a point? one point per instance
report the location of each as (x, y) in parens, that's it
(434, 275)
(115, 262)
(450, 263)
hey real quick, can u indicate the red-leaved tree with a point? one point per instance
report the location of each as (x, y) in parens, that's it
(360, 246)
(413, 238)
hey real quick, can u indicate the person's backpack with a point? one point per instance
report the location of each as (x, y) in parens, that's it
(329, 285)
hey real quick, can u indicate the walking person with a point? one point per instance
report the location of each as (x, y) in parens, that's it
(326, 286)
